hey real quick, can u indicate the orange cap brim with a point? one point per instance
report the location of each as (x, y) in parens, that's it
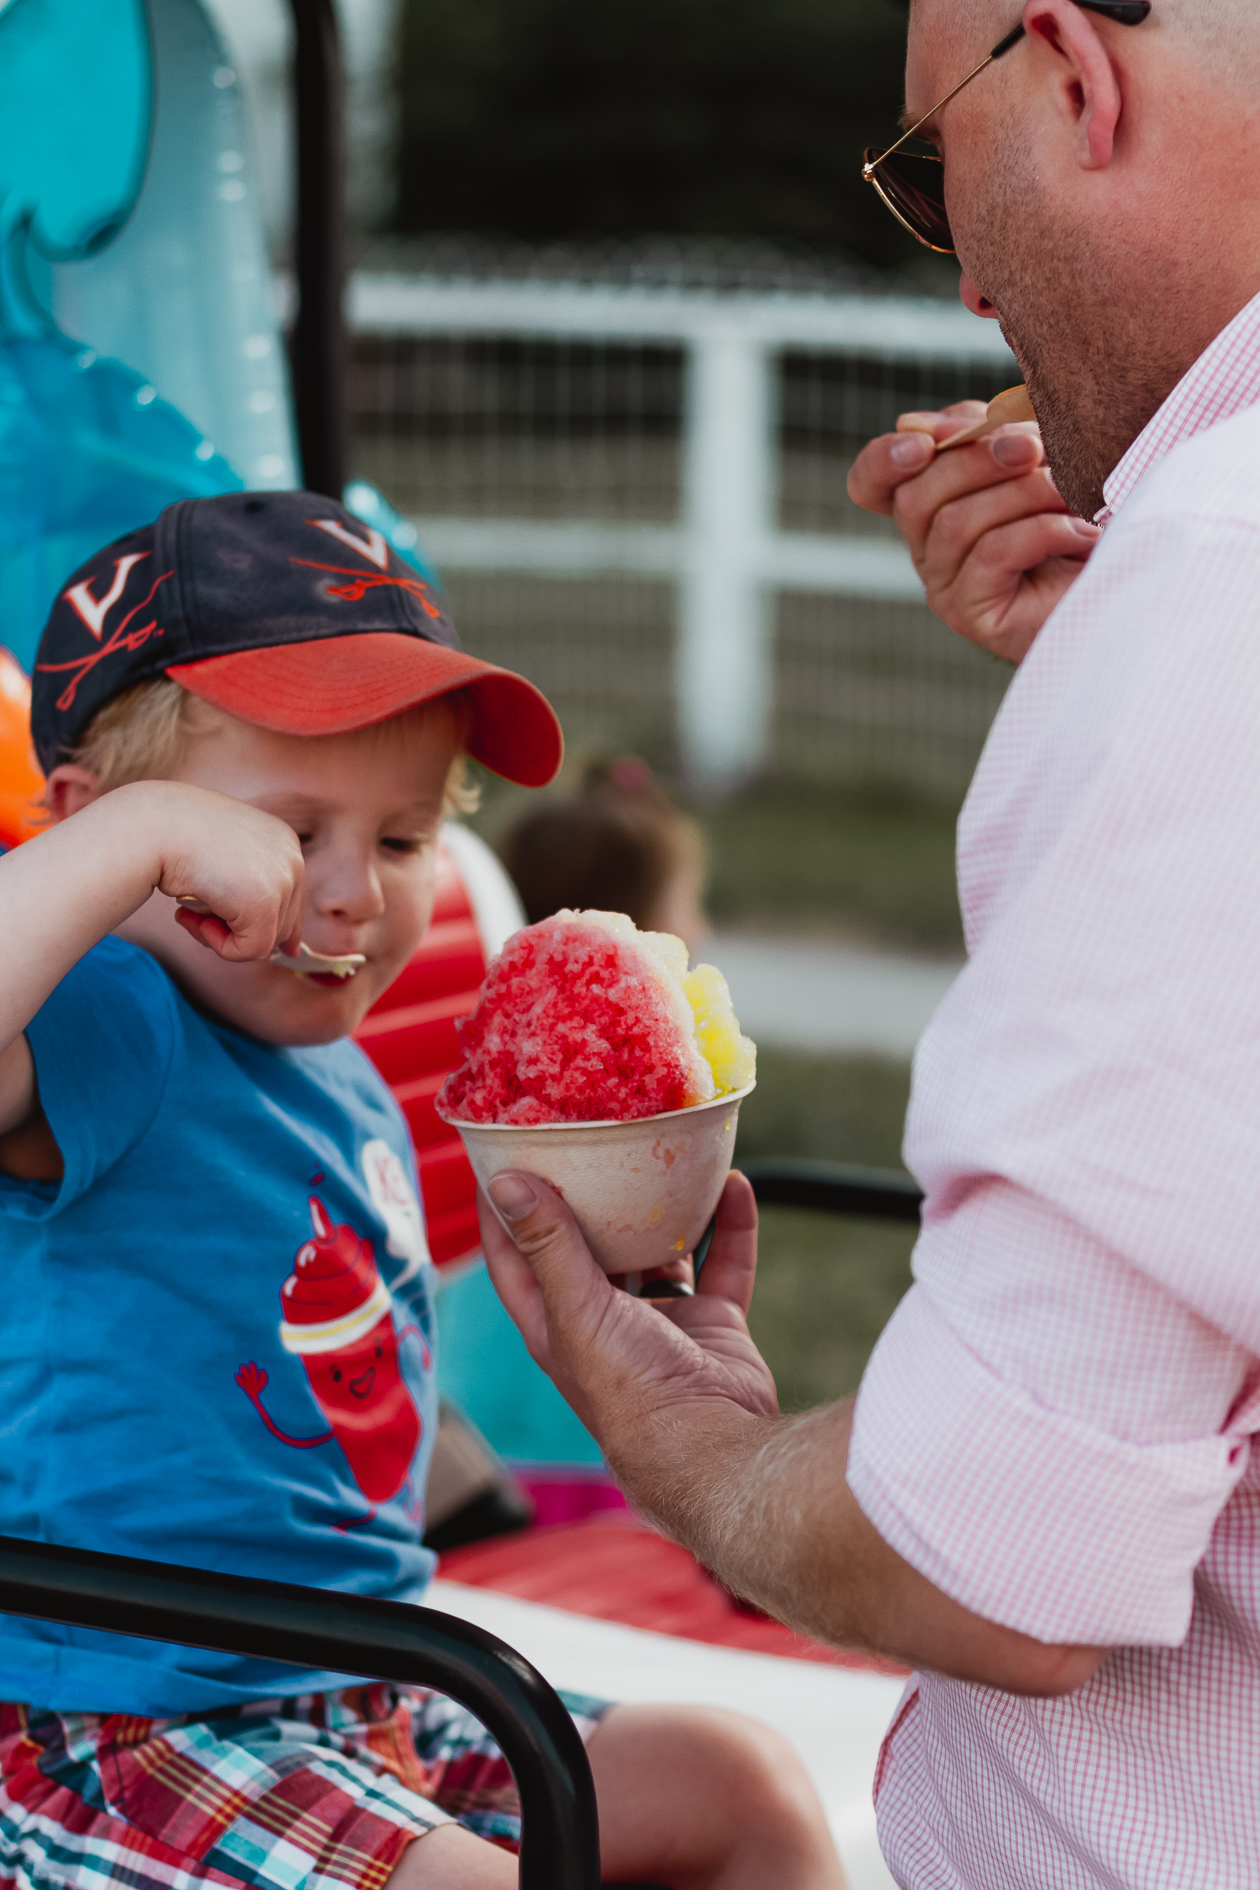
(331, 684)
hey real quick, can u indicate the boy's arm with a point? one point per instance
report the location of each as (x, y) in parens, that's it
(62, 892)
(17, 1086)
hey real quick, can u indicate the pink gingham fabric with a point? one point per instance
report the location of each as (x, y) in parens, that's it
(1056, 1426)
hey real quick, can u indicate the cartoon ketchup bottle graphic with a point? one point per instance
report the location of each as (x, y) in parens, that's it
(337, 1320)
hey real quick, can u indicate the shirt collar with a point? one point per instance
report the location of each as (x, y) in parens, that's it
(1224, 380)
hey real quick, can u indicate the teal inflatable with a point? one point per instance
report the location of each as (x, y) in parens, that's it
(140, 359)
(89, 448)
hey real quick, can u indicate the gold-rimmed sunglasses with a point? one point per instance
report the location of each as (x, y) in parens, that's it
(912, 183)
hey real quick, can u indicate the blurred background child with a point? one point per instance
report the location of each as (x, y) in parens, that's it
(617, 843)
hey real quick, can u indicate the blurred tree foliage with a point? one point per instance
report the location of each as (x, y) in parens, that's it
(544, 119)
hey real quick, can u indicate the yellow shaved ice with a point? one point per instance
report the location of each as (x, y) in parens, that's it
(731, 1056)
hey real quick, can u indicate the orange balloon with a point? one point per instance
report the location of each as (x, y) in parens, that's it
(21, 782)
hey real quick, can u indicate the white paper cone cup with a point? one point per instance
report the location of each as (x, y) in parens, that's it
(641, 1192)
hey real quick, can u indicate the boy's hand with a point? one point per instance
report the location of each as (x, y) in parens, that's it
(990, 536)
(243, 865)
(65, 889)
(622, 1362)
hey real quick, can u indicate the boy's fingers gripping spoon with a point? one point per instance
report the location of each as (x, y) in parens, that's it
(340, 965)
(1004, 410)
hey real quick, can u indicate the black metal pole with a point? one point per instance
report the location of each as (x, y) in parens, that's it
(318, 347)
(874, 1193)
(379, 1640)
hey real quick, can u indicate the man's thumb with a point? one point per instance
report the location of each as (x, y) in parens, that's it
(513, 1194)
(540, 1224)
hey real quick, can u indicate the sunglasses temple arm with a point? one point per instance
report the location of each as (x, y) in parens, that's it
(1126, 12)
(1003, 46)
(1123, 12)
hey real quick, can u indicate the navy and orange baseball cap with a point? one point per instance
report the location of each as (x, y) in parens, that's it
(285, 610)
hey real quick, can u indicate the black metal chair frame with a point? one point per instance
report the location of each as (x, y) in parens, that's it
(351, 1634)
(876, 1194)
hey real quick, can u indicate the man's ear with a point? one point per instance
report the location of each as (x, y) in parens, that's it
(69, 788)
(1082, 69)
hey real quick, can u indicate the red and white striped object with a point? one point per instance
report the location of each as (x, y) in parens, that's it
(410, 1032)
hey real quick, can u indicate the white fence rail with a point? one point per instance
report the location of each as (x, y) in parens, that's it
(726, 553)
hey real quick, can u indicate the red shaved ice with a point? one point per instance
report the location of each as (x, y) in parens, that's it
(580, 1019)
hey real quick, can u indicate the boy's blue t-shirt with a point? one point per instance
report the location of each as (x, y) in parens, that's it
(150, 1402)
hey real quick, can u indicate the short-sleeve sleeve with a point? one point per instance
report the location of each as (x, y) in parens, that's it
(103, 1046)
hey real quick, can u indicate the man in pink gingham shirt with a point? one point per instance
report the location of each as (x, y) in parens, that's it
(1051, 1505)
(1055, 1427)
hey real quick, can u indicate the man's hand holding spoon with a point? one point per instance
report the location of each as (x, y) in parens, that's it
(972, 496)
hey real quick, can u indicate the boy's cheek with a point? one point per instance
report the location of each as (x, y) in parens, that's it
(409, 900)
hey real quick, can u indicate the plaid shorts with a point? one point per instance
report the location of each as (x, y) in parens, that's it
(302, 1794)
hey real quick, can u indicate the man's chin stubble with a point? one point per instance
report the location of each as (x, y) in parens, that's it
(1060, 300)
(1088, 407)
(1096, 366)
(1092, 400)
(1075, 426)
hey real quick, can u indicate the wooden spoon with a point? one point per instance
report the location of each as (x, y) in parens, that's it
(1003, 410)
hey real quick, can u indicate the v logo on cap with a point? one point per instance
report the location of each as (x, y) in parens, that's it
(376, 548)
(94, 610)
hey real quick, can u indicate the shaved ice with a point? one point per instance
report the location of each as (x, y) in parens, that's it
(583, 1018)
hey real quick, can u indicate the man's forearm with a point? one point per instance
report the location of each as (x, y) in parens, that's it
(764, 1504)
(741, 1492)
(684, 1409)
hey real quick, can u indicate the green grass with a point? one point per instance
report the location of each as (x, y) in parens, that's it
(875, 861)
(826, 1108)
(826, 1286)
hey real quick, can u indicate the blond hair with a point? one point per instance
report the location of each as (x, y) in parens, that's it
(142, 733)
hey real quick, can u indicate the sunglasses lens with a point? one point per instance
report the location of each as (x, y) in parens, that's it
(914, 190)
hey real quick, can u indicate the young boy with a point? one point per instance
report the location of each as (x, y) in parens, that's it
(219, 1314)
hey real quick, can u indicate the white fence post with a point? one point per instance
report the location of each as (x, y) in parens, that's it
(723, 658)
(725, 553)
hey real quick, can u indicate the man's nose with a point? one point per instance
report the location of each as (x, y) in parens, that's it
(972, 298)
